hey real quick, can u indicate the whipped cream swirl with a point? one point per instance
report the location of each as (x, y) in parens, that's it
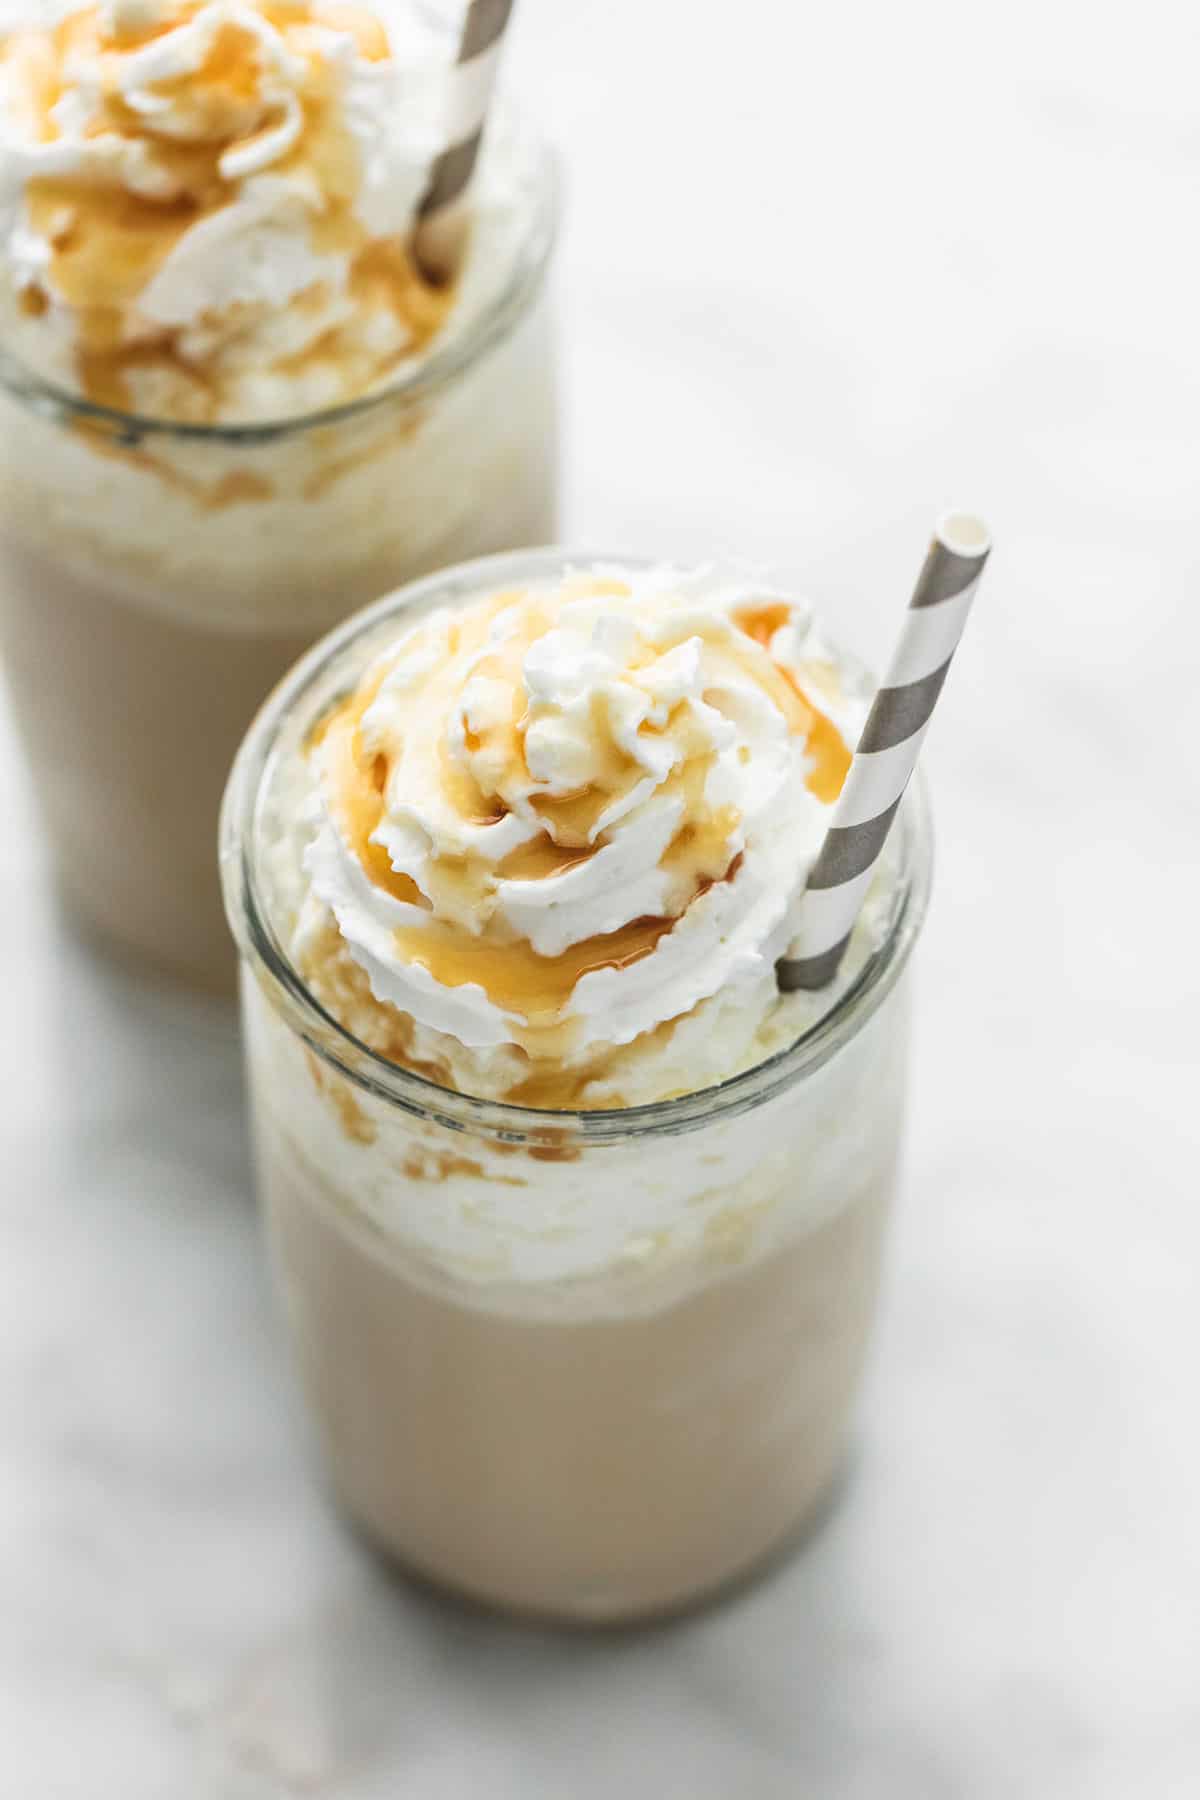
(204, 204)
(564, 817)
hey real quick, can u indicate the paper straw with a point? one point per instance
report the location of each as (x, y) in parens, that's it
(887, 752)
(441, 216)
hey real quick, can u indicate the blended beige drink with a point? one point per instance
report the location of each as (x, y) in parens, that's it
(577, 1219)
(231, 407)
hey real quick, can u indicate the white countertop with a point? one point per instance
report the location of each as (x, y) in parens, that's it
(823, 274)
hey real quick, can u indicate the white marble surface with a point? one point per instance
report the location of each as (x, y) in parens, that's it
(827, 268)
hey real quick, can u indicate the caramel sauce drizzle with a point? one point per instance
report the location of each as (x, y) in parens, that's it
(761, 619)
(831, 756)
(825, 744)
(541, 858)
(553, 1086)
(354, 1121)
(107, 244)
(238, 487)
(359, 782)
(430, 1164)
(332, 468)
(535, 988)
(515, 977)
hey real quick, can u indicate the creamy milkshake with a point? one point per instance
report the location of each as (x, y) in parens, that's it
(576, 1218)
(232, 409)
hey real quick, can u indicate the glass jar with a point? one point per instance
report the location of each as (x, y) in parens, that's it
(591, 1365)
(156, 579)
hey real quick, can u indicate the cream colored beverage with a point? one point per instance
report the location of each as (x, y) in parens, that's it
(232, 409)
(577, 1219)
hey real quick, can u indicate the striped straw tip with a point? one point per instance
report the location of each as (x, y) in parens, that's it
(887, 750)
(964, 533)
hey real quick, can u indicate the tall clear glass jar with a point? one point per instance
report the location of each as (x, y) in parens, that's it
(591, 1365)
(156, 579)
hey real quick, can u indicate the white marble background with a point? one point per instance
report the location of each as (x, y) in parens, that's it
(827, 268)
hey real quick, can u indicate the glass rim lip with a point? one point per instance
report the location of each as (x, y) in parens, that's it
(436, 371)
(384, 1080)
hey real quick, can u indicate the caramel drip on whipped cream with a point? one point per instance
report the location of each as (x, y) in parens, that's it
(831, 756)
(511, 973)
(107, 242)
(514, 976)
(540, 858)
(360, 790)
(464, 939)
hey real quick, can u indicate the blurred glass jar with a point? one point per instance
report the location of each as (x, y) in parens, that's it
(156, 579)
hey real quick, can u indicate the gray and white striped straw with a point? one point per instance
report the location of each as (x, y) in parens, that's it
(887, 752)
(441, 216)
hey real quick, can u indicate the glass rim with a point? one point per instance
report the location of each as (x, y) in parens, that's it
(495, 322)
(290, 996)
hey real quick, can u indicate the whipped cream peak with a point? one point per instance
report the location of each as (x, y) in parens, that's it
(205, 205)
(561, 818)
(171, 85)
